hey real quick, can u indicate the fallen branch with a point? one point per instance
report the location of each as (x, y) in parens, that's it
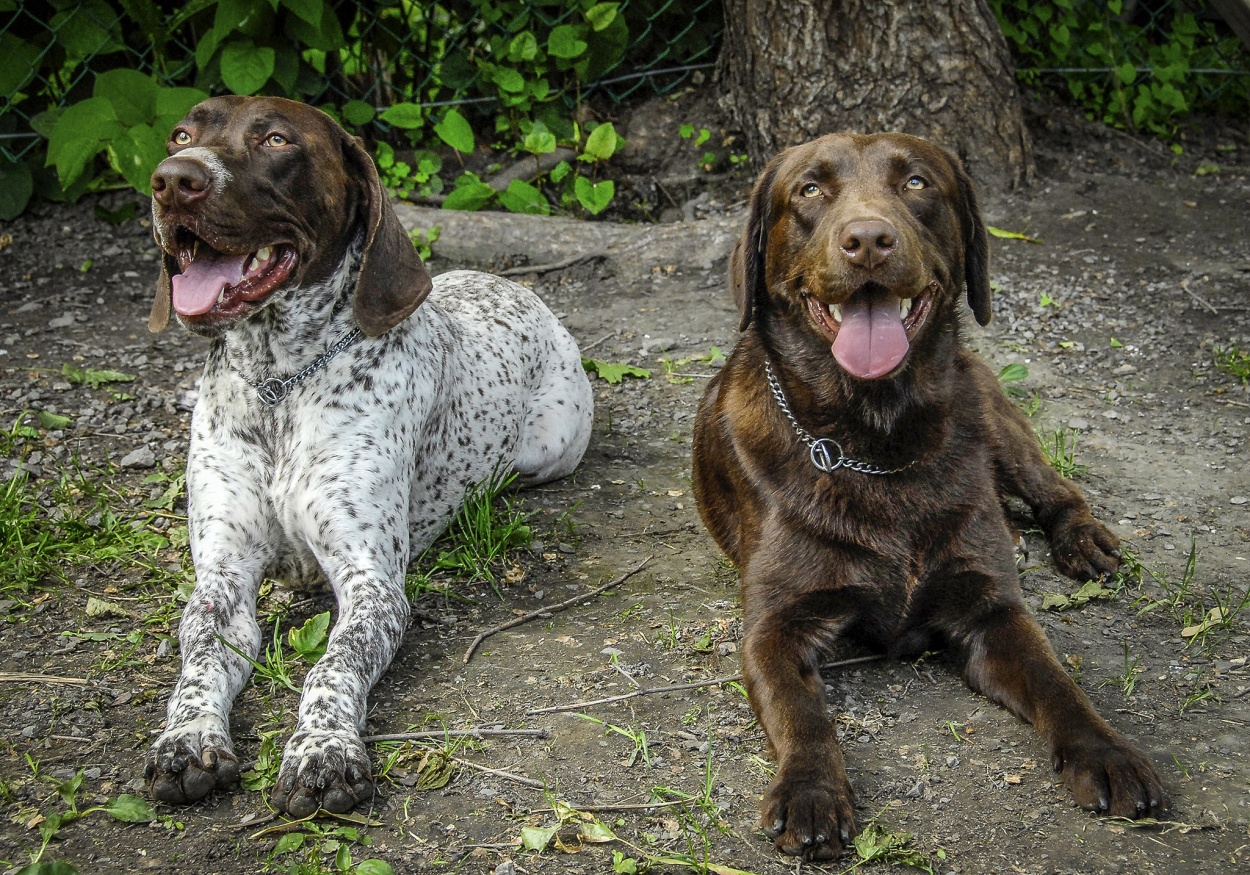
(22, 677)
(549, 266)
(500, 773)
(551, 609)
(437, 735)
(676, 687)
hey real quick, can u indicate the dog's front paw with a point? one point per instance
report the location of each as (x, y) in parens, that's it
(809, 814)
(190, 761)
(323, 769)
(1110, 776)
(1083, 548)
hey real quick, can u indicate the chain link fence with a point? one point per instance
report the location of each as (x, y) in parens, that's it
(510, 56)
(335, 51)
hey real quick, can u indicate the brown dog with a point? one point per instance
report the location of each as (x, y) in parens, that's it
(852, 459)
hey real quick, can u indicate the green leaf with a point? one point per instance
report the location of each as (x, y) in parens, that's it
(246, 67)
(1013, 373)
(601, 15)
(94, 379)
(454, 130)
(309, 640)
(402, 115)
(132, 94)
(53, 421)
(470, 193)
(136, 153)
(47, 868)
(78, 135)
(1126, 72)
(566, 41)
(174, 103)
(613, 373)
(595, 197)
(130, 809)
(308, 10)
(17, 184)
(539, 141)
(524, 47)
(602, 143)
(359, 113)
(292, 841)
(560, 171)
(374, 867)
(595, 832)
(521, 197)
(508, 79)
(534, 838)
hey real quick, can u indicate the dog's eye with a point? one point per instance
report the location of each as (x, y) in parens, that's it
(810, 190)
(916, 183)
(276, 140)
(181, 138)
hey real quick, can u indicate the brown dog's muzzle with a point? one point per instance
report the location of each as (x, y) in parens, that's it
(867, 243)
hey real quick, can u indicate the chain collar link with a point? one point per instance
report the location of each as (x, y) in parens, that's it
(273, 391)
(826, 453)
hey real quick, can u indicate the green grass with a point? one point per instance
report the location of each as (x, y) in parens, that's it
(1232, 361)
(490, 523)
(1060, 451)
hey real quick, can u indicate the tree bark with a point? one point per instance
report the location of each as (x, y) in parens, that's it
(791, 70)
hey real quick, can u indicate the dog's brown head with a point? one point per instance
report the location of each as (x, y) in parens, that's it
(260, 194)
(871, 238)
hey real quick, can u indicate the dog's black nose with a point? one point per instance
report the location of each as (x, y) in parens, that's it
(180, 181)
(867, 242)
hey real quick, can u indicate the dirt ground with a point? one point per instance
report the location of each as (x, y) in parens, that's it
(1142, 271)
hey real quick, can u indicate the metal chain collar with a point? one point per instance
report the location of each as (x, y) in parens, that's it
(271, 392)
(822, 450)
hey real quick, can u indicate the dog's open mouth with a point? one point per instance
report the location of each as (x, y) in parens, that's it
(224, 283)
(872, 329)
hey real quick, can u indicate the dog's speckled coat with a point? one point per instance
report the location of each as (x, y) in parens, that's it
(358, 470)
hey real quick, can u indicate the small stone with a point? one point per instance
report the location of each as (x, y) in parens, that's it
(62, 321)
(1078, 423)
(1238, 499)
(140, 458)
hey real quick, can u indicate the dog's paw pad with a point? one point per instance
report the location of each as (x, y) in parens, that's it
(1111, 777)
(190, 761)
(809, 818)
(329, 770)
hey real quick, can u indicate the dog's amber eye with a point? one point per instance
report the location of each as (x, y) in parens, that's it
(181, 138)
(916, 183)
(810, 190)
(276, 140)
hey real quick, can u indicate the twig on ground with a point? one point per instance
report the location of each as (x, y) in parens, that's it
(549, 266)
(551, 609)
(24, 677)
(1198, 298)
(456, 733)
(500, 773)
(676, 687)
(591, 346)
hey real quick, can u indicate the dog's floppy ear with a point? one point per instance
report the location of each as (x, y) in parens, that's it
(393, 282)
(158, 319)
(746, 265)
(976, 248)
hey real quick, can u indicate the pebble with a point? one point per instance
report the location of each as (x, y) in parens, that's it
(1238, 499)
(140, 458)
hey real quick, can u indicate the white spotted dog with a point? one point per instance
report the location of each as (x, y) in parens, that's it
(347, 405)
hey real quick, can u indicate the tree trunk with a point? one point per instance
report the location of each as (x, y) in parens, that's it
(792, 70)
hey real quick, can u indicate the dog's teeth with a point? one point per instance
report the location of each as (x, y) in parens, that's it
(262, 255)
(836, 312)
(221, 296)
(904, 308)
(254, 264)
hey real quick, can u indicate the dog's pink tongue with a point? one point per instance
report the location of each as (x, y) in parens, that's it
(871, 340)
(198, 287)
